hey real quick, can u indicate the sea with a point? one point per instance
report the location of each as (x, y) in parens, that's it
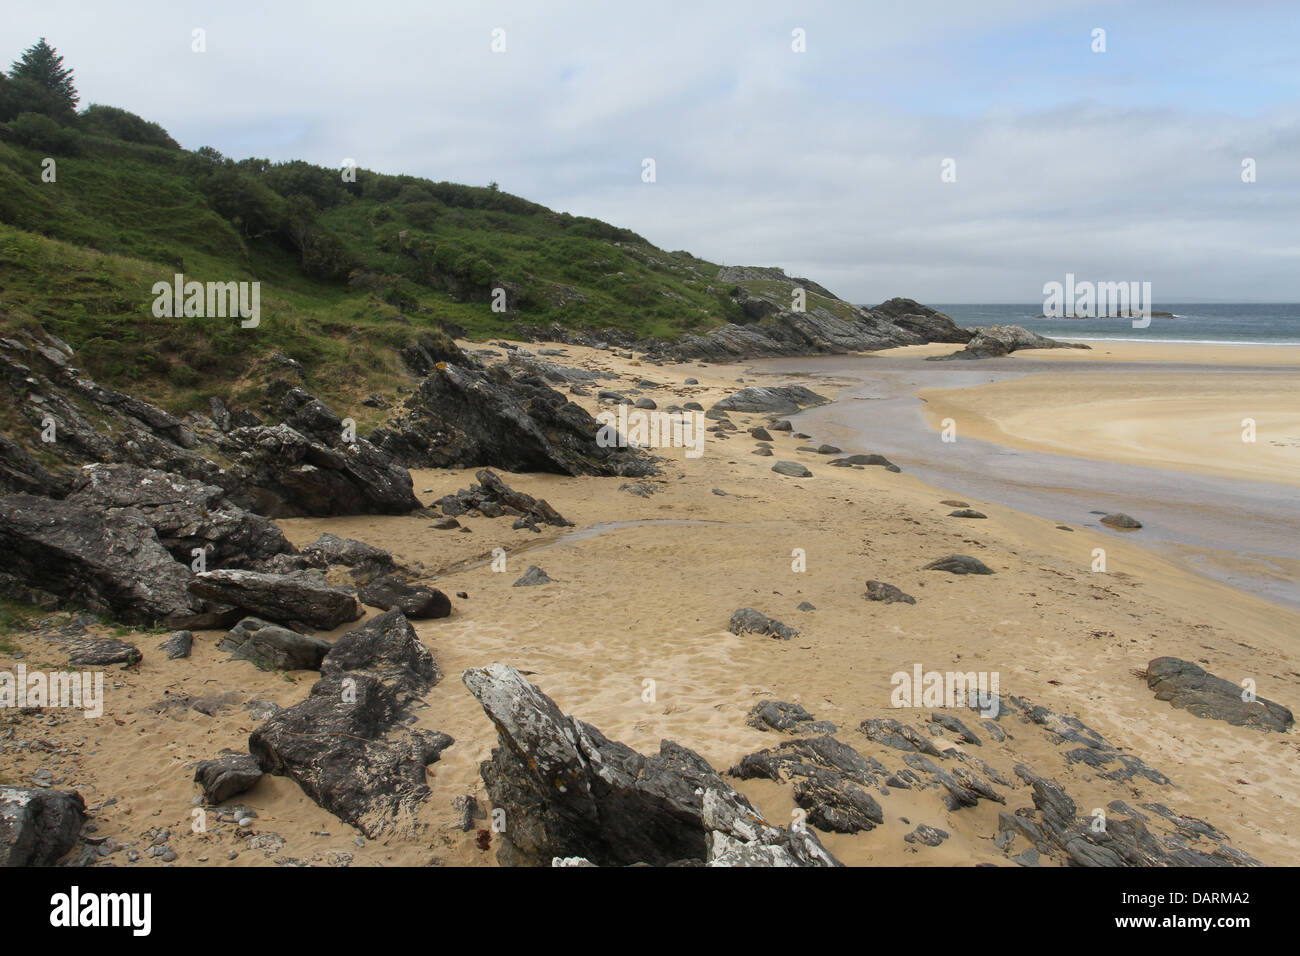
(1216, 323)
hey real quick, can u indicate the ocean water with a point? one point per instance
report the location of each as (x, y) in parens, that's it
(1250, 323)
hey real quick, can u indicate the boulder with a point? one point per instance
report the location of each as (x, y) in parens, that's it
(791, 469)
(415, 601)
(1121, 521)
(177, 645)
(37, 827)
(226, 775)
(997, 340)
(80, 557)
(959, 564)
(269, 645)
(532, 578)
(851, 460)
(880, 591)
(748, 621)
(302, 598)
(568, 791)
(779, 400)
(186, 514)
(1189, 687)
(786, 718)
(346, 744)
(102, 652)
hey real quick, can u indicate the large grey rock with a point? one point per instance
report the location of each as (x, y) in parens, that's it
(880, 591)
(791, 469)
(106, 562)
(38, 826)
(997, 340)
(779, 400)
(748, 621)
(187, 515)
(346, 744)
(568, 791)
(1189, 687)
(415, 601)
(297, 598)
(270, 645)
(959, 564)
(226, 775)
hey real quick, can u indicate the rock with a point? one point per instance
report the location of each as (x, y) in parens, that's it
(760, 433)
(102, 651)
(345, 744)
(646, 403)
(926, 835)
(299, 597)
(1121, 521)
(827, 450)
(568, 791)
(956, 727)
(79, 557)
(532, 578)
(492, 498)
(748, 621)
(693, 406)
(445, 524)
(463, 415)
(930, 324)
(37, 827)
(959, 564)
(806, 606)
(1189, 687)
(781, 426)
(417, 602)
(953, 503)
(177, 645)
(791, 469)
(781, 400)
(852, 460)
(900, 736)
(786, 718)
(226, 775)
(187, 515)
(20, 473)
(998, 340)
(880, 591)
(329, 549)
(269, 645)
(691, 381)
(763, 452)
(829, 781)
(966, 513)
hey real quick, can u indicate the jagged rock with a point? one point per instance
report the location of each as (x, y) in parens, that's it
(1189, 687)
(37, 827)
(344, 744)
(851, 460)
(226, 775)
(106, 563)
(187, 515)
(880, 591)
(959, 564)
(20, 473)
(955, 726)
(532, 578)
(297, 598)
(1122, 521)
(462, 416)
(568, 791)
(780, 400)
(102, 651)
(787, 718)
(533, 365)
(791, 469)
(330, 549)
(828, 778)
(269, 645)
(492, 498)
(177, 645)
(900, 736)
(748, 621)
(930, 324)
(926, 835)
(998, 340)
(416, 602)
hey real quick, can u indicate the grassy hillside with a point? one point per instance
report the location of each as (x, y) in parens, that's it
(350, 271)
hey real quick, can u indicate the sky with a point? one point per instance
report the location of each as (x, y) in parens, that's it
(1117, 165)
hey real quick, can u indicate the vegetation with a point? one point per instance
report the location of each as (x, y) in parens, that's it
(97, 206)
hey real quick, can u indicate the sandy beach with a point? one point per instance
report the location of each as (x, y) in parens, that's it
(642, 591)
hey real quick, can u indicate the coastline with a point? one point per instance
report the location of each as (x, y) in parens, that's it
(650, 600)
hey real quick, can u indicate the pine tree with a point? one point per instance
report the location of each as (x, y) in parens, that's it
(41, 74)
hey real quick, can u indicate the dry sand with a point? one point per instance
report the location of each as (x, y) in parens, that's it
(651, 601)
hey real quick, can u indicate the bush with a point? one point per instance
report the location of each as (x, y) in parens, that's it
(121, 124)
(41, 132)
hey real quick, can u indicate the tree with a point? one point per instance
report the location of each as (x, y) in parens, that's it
(121, 124)
(42, 83)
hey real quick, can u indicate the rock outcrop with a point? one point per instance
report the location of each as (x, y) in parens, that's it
(37, 827)
(1191, 688)
(570, 792)
(297, 598)
(994, 341)
(346, 745)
